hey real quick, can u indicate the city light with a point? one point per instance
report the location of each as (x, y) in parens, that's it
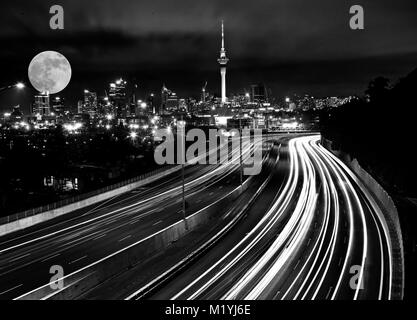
(20, 85)
(72, 127)
(109, 117)
(133, 135)
(291, 125)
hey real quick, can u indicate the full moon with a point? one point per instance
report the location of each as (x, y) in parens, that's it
(49, 72)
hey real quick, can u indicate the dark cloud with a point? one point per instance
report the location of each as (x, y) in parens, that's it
(292, 45)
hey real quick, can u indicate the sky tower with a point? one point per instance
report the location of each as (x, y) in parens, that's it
(223, 60)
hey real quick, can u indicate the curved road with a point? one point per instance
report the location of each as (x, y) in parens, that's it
(309, 230)
(321, 237)
(85, 237)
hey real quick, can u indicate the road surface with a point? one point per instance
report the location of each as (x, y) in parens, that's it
(320, 236)
(305, 228)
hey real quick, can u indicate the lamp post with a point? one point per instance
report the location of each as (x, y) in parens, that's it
(19, 85)
(182, 130)
(240, 147)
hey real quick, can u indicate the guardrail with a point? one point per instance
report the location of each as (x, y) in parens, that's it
(74, 199)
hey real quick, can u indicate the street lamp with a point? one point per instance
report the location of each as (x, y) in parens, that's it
(182, 134)
(19, 85)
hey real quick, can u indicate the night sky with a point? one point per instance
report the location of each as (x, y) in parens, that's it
(293, 46)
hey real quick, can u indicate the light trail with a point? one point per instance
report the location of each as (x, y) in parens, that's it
(209, 177)
(310, 166)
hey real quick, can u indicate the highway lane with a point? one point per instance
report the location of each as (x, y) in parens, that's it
(120, 286)
(88, 236)
(322, 237)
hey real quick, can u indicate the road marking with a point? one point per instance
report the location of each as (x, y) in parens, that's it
(1, 293)
(340, 262)
(18, 258)
(277, 294)
(221, 187)
(79, 259)
(296, 264)
(50, 257)
(99, 237)
(125, 238)
(211, 193)
(99, 206)
(328, 293)
(157, 222)
(308, 243)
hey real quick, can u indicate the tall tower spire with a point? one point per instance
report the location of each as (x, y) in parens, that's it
(223, 60)
(222, 35)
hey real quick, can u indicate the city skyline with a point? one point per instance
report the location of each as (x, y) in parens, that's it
(208, 150)
(149, 45)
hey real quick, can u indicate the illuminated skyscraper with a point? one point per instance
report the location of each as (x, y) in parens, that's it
(58, 107)
(41, 106)
(117, 97)
(169, 101)
(90, 103)
(151, 103)
(223, 60)
(259, 93)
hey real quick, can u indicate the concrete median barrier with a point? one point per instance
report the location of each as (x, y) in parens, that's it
(29, 221)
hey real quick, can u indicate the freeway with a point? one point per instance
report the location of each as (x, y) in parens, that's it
(315, 232)
(305, 228)
(86, 237)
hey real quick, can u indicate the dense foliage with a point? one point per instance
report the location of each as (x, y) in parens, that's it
(380, 131)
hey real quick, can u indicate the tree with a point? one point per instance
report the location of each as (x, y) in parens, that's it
(378, 89)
